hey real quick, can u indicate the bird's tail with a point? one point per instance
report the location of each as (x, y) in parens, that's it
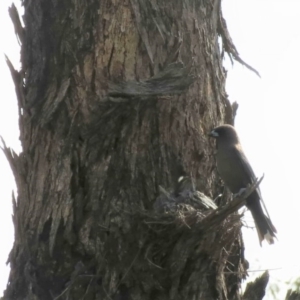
(265, 229)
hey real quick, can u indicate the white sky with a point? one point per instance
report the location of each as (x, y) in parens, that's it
(267, 35)
(9, 132)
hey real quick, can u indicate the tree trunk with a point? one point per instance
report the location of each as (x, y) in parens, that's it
(116, 98)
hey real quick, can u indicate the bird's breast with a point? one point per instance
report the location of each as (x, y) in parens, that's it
(230, 171)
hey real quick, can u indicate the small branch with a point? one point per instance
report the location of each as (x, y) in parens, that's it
(220, 214)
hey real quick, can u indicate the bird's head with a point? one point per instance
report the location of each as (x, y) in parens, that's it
(225, 133)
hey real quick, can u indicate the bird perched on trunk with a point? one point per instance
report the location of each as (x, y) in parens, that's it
(236, 172)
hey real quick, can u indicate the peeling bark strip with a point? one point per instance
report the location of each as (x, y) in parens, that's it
(229, 47)
(175, 79)
(256, 290)
(91, 169)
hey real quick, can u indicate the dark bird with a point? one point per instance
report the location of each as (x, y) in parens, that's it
(236, 172)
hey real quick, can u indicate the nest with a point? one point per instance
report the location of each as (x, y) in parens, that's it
(189, 244)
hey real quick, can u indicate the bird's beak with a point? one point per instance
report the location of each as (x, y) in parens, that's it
(213, 134)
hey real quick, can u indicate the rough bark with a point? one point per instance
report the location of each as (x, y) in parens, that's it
(116, 98)
(256, 290)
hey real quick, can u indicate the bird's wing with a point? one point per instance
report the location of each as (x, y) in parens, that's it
(249, 174)
(244, 166)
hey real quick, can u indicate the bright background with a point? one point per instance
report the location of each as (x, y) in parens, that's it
(9, 130)
(267, 36)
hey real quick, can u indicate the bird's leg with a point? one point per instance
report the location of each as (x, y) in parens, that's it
(239, 193)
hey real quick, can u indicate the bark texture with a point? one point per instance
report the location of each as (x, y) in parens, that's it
(116, 98)
(256, 290)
